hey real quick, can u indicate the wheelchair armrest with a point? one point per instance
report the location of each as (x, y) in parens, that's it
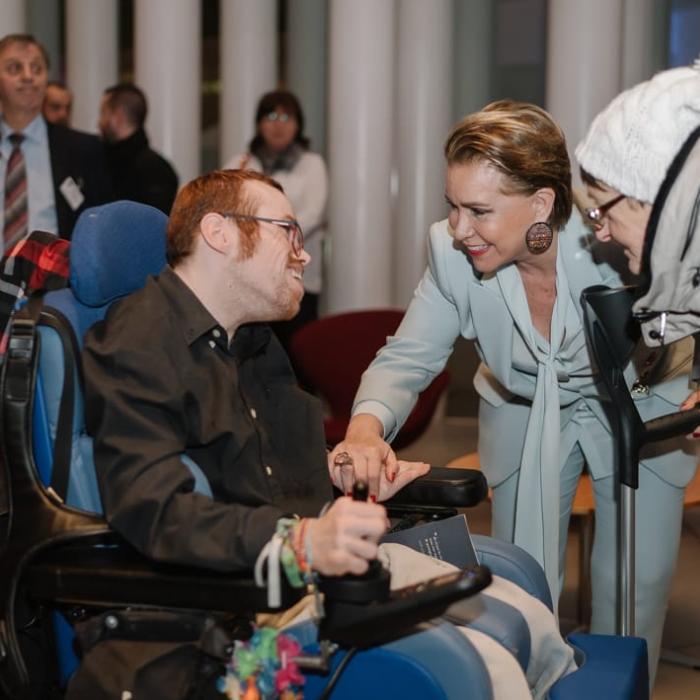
(117, 575)
(443, 486)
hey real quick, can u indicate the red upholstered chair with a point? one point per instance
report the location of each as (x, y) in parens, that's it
(330, 355)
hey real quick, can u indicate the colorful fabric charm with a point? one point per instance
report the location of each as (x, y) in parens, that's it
(289, 550)
(263, 668)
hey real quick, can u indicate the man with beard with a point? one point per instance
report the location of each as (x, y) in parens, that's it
(187, 365)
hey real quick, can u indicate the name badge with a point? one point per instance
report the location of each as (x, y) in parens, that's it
(70, 190)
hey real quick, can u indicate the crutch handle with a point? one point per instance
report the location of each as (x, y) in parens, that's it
(672, 425)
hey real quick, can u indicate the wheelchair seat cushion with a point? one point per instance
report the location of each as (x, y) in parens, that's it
(515, 564)
(500, 621)
(430, 663)
(549, 657)
(617, 664)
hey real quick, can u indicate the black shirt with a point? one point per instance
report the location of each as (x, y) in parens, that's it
(160, 380)
(140, 174)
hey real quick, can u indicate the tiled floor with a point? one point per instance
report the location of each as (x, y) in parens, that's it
(447, 438)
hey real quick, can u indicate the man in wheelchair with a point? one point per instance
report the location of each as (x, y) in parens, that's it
(183, 367)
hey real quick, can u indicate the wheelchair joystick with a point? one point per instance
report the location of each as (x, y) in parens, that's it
(360, 491)
(373, 585)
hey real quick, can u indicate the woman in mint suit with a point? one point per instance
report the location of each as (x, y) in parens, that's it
(506, 269)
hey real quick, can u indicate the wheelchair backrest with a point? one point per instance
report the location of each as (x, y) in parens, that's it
(113, 250)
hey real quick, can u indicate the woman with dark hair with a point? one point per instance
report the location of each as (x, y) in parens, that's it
(281, 150)
(506, 269)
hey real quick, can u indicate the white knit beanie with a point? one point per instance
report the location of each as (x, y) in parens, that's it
(632, 142)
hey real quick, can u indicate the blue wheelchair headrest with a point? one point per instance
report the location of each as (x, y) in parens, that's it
(114, 248)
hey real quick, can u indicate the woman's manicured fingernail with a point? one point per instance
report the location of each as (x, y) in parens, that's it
(372, 498)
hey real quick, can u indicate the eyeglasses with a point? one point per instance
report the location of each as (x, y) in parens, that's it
(595, 215)
(278, 117)
(294, 233)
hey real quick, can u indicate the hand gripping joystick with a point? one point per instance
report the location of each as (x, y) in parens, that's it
(374, 583)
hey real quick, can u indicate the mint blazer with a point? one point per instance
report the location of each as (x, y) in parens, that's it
(537, 398)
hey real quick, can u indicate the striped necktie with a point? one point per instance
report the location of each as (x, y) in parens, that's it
(16, 211)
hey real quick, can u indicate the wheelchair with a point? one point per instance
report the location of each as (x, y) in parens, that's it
(58, 554)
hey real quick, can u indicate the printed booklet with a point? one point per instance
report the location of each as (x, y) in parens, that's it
(447, 539)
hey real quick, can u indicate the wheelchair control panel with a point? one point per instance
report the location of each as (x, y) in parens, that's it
(361, 611)
(369, 624)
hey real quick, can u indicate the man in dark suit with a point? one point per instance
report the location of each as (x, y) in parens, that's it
(79, 157)
(138, 172)
(61, 171)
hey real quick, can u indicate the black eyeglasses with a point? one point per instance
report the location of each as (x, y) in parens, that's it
(294, 233)
(595, 215)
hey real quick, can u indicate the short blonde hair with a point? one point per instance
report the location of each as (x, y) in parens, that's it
(521, 141)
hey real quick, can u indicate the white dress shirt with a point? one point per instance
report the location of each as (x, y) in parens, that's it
(37, 159)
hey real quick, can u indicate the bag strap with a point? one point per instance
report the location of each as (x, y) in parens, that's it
(63, 443)
(198, 628)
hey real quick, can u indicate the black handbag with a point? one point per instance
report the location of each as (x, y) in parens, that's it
(148, 655)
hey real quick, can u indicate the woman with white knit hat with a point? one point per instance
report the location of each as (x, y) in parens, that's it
(624, 159)
(628, 150)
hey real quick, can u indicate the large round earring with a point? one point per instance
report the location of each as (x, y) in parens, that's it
(539, 237)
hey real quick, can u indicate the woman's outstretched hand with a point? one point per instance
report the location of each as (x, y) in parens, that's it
(372, 460)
